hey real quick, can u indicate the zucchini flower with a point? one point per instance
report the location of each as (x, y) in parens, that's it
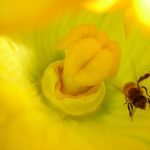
(61, 83)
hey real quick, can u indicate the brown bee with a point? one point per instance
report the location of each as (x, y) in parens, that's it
(136, 96)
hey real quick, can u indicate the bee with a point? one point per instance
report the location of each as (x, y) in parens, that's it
(136, 96)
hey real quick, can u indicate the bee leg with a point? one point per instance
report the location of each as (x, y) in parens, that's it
(145, 90)
(145, 76)
(131, 111)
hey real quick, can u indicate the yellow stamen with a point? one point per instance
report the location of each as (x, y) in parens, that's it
(75, 105)
(76, 85)
(90, 58)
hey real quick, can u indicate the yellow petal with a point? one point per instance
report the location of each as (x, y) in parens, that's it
(16, 14)
(141, 8)
(105, 5)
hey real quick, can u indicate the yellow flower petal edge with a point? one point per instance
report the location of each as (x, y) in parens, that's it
(28, 14)
(74, 105)
(100, 6)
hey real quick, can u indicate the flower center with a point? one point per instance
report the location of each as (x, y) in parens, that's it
(76, 84)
